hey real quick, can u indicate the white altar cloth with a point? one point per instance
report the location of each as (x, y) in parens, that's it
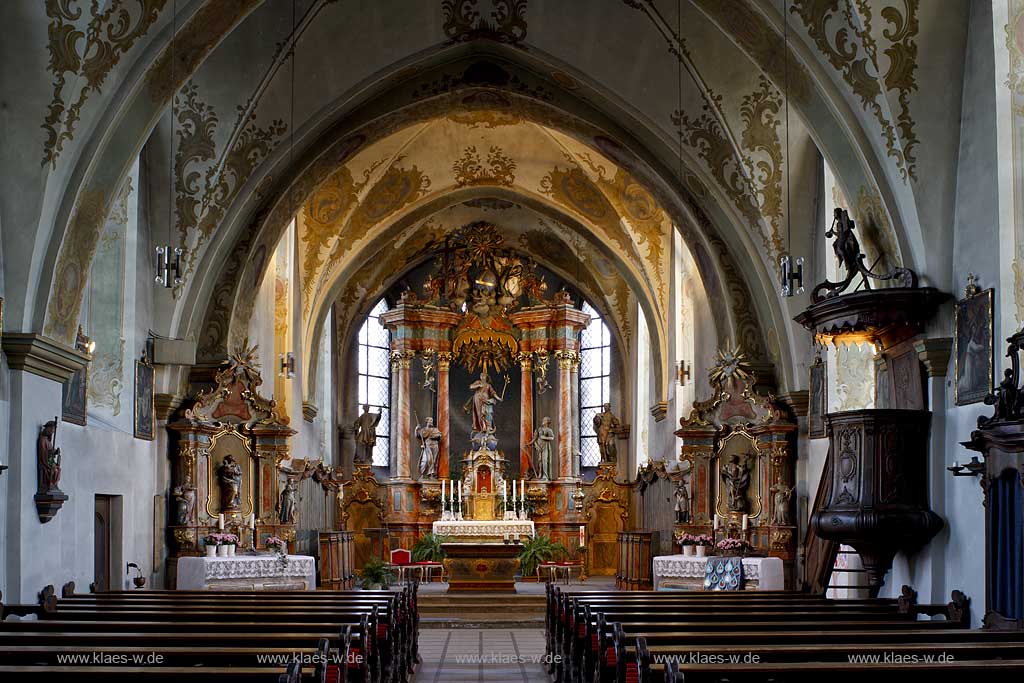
(688, 571)
(496, 529)
(264, 570)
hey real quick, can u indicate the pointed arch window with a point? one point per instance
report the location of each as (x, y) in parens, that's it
(595, 382)
(375, 378)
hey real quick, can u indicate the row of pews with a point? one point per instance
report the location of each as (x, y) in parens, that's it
(779, 636)
(153, 635)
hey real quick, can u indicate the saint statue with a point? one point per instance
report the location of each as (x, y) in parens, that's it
(780, 504)
(543, 444)
(289, 502)
(606, 426)
(430, 446)
(49, 458)
(482, 404)
(185, 498)
(682, 507)
(737, 478)
(229, 476)
(366, 435)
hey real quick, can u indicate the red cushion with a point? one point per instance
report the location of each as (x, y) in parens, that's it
(632, 673)
(353, 657)
(333, 673)
(401, 556)
(382, 631)
(593, 642)
(609, 656)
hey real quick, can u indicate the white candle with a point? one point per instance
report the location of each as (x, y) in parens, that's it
(513, 491)
(522, 491)
(220, 521)
(461, 498)
(442, 493)
(583, 535)
(504, 491)
(717, 521)
(745, 520)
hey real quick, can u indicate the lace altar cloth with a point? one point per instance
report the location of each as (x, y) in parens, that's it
(690, 569)
(198, 573)
(495, 530)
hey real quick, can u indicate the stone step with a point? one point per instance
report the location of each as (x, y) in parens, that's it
(482, 620)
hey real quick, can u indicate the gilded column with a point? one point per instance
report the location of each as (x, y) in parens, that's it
(400, 364)
(525, 412)
(565, 426)
(444, 360)
(574, 420)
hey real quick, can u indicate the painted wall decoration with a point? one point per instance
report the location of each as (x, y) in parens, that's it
(972, 345)
(817, 403)
(145, 424)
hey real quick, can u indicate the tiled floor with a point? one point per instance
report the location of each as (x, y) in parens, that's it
(481, 655)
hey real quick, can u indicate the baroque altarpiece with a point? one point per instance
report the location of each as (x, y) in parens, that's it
(232, 444)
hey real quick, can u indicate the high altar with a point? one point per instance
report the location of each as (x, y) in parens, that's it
(485, 387)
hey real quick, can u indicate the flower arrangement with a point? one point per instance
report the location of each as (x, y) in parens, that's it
(686, 539)
(212, 539)
(279, 546)
(703, 540)
(220, 539)
(732, 545)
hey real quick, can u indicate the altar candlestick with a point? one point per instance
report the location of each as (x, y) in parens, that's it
(583, 536)
(220, 521)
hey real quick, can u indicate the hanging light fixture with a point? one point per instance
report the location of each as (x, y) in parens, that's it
(168, 260)
(791, 270)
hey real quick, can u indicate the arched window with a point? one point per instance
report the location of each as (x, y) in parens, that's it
(375, 378)
(595, 382)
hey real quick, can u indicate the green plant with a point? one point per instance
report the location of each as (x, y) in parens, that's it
(375, 572)
(428, 549)
(537, 550)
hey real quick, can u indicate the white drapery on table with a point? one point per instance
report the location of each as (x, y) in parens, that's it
(687, 571)
(483, 530)
(199, 573)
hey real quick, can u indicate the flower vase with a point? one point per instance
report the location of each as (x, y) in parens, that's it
(701, 551)
(688, 550)
(222, 551)
(231, 550)
(211, 551)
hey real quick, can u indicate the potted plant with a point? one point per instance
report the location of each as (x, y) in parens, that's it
(229, 541)
(702, 543)
(536, 551)
(279, 546)
(211, 541)
(428, 548)
(688, 542)
(732, 546)
(375, 575)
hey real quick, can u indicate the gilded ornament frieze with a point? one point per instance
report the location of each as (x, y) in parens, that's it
(470, 169)
(86, 55)
(759, 112)
(204, 191)
(464, 21)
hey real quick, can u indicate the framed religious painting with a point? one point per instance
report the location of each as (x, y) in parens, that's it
(74, 394)
(972, 345)
(145, 426)
(817, 398)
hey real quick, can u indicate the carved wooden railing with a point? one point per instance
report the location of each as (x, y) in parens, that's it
(819, 553)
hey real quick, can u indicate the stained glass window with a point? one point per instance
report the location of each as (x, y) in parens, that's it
(595, 382)
(375, 379)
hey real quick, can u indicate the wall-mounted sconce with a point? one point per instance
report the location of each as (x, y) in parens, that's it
(168, 271)
(84, 343)
(975, 468)
(792, 275)
(139, 580)
(683, 372)
(287, 361)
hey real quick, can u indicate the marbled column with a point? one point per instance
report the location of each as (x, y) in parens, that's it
(565, 426)
(525, 412)
(400, 363)
(444, 360)
(574, 389)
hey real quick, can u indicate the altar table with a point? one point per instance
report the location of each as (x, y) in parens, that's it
(483, 531)
(686, 572)
(246, 572)
(485, 567)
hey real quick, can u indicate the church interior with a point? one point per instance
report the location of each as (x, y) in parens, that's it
(511, 340)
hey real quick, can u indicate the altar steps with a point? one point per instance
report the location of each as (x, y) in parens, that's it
(481, 611)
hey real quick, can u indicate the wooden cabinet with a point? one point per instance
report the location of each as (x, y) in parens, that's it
(634, 570)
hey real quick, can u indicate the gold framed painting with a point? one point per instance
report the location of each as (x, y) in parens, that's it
(973, 355)
(74, 397)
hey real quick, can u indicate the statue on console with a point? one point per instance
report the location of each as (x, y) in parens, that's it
(229, 476)
(682, 507)
(289, 502)
(430, 447)
(606, 426)
(366, 435)
(185, 499)
(780, 504)
(482, 404)
(737, 478)
(543, 444)
(49, 458)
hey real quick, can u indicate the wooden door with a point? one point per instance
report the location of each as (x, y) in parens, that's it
(101, 544)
